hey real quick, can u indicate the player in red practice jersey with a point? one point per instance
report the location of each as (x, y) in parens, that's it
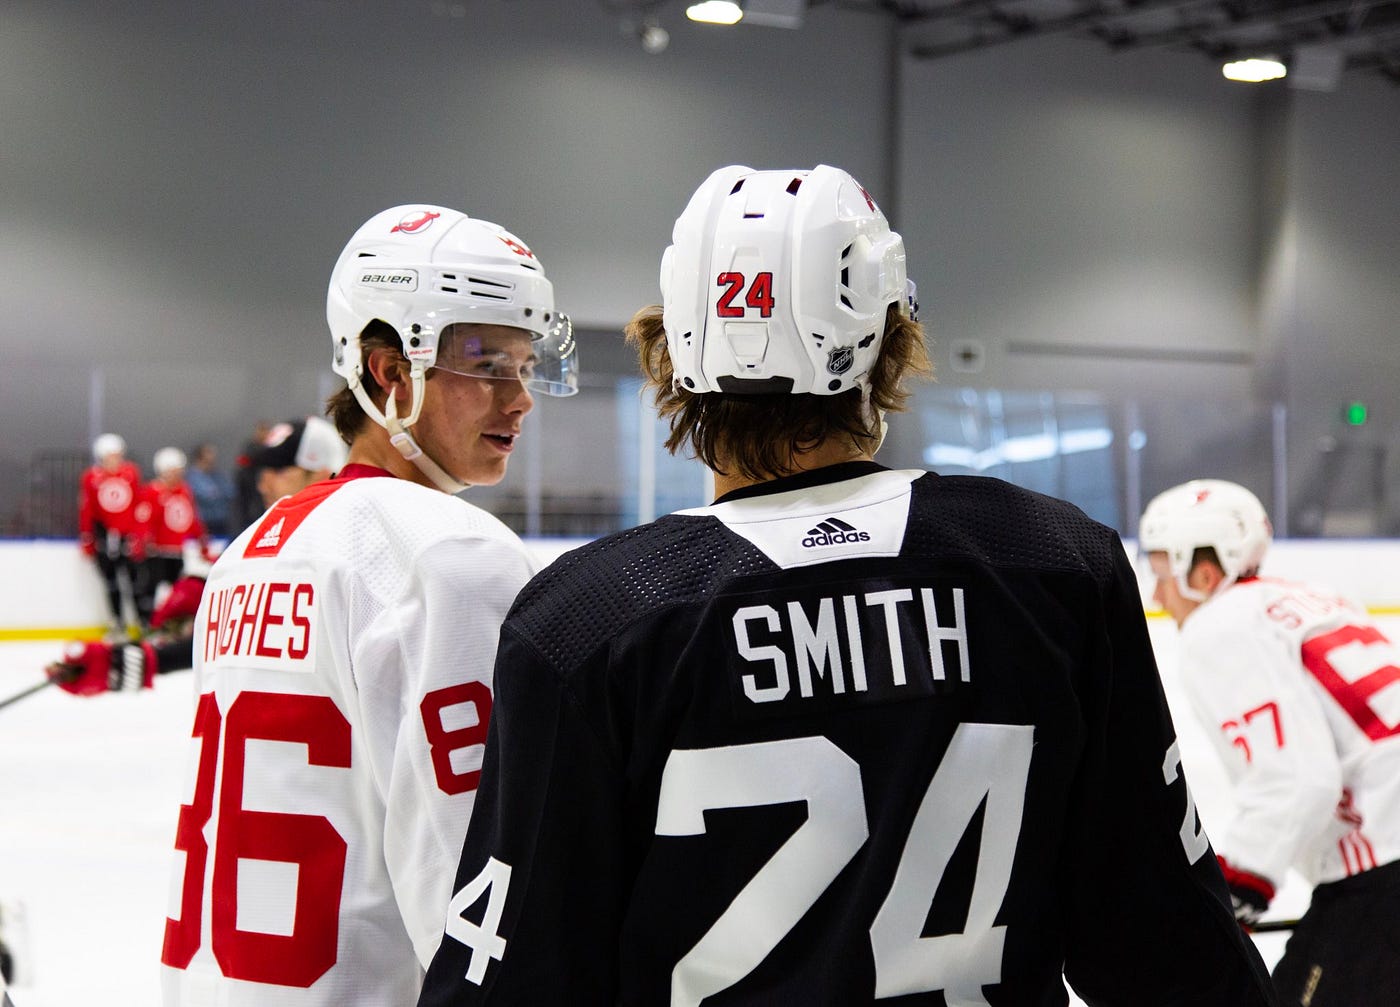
(294, 455)
(344, 644)
(109, 528)
(1296, 687)
(169, 519)
(850, 735)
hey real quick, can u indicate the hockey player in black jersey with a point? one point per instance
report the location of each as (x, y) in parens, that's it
(849, 734)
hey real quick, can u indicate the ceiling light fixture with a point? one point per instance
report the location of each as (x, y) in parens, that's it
(652, 36)
(715, 12)
(1254, 71)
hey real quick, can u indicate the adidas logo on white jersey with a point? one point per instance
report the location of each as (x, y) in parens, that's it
(271, 537)
(833, 531)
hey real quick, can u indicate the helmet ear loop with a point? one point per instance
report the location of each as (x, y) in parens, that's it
(1188, 592)
(1196, 594)
(403, 441)
(398, 428)
(878, 415)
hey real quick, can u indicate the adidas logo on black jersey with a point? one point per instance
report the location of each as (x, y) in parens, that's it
(833, 531)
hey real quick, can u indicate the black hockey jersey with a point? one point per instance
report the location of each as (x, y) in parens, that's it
(852, 735)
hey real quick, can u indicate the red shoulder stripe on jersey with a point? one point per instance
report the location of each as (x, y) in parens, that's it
(285, 516)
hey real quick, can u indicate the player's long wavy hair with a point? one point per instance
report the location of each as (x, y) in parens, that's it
(759, 436)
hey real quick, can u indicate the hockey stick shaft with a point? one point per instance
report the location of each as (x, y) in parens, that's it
(26, 692)
(1273, 926)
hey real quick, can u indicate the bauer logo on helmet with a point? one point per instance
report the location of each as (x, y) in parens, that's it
(398, 279)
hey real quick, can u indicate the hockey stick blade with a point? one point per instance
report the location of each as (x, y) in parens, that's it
(26, 692)
(1273, 926)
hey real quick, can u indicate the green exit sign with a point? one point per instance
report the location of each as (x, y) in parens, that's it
(1354, 413)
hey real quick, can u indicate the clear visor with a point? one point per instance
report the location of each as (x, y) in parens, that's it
(545, 364)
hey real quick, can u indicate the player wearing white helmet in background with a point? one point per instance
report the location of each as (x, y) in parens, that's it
(168, 519)
(849, 734)
(109, 530)
(294, 454)
(344, 643)
(1297, 688)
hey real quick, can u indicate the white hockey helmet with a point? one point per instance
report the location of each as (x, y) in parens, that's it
(422, 268)
(107, 444)
(167, 460)
(779, 281)
(1206, 512)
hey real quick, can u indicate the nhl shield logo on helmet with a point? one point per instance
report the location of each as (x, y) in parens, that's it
(839, 360)
(412, 223)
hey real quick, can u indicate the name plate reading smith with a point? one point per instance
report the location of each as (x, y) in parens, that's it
(803, 652)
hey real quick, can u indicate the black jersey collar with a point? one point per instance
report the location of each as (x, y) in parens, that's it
(805, 480)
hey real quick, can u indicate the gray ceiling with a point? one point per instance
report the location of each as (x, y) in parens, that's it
(1318, 40)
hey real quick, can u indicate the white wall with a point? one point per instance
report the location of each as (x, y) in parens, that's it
(1059, 196)
(50, 590)
(1136, 226)
(179, 178)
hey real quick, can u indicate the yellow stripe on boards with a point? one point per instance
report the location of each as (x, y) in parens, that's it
(14, 634)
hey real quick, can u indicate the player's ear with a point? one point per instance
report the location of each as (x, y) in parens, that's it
(1205, 575)
(389, 369)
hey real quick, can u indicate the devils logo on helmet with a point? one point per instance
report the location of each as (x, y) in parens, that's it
(414, 222)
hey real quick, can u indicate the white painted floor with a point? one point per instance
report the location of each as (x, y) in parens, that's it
(89, 790)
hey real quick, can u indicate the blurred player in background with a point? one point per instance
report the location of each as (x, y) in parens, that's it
(1296, 688)
(214, 492)
(169, 520)
(296, 454)
(849, 734)
(108, 527)
(247, 505)
(344, 646)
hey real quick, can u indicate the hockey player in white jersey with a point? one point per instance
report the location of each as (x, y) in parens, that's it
(850, 735)
(344, 643)
(1296, 687)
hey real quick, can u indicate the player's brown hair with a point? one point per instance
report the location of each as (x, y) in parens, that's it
(761, 435)
(343, 408)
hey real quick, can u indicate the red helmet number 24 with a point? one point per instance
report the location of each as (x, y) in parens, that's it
(759, 295)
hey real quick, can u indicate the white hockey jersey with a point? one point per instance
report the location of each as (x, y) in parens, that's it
(342, 657)
(1300, 692)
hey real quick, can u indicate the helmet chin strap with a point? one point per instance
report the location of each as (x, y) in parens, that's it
(399, 436)
(1194, 594)
(880, 418)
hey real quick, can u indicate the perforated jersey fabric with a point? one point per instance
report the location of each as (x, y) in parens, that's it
(854, 736)
(343, 655)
